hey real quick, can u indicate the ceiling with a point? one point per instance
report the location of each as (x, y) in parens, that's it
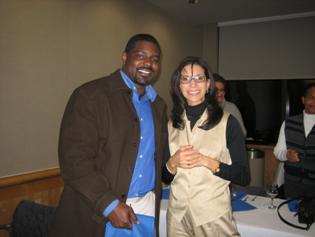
(213, 11)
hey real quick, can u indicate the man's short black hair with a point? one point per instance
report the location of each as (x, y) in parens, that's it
(307, 87)
(219, 78)
(141, 37)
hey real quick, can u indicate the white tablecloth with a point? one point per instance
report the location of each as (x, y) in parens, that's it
(260, 222)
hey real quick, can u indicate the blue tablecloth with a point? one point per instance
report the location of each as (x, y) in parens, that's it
(294, 205)
(238, 204)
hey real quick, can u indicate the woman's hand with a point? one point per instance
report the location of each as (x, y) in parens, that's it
(205, 161)
(187, 157)
(183, 158)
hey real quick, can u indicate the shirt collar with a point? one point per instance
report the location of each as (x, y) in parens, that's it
(308, 116)
(222, 104)
(149, 90)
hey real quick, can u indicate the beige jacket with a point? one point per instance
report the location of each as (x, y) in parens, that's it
(205, 194)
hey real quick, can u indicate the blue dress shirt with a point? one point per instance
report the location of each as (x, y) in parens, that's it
(143, 178)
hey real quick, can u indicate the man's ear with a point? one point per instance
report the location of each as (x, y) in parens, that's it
(124, 57)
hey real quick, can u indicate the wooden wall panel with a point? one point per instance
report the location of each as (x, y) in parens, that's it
(42, 187)
(270, 162)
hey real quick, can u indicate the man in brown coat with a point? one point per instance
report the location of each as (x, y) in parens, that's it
(110, 148)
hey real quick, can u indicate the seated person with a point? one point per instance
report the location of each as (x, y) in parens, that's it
(220, 84)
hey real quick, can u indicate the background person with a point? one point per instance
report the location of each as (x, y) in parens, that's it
(221, 84)
(207, 153)
(110, 145)
(296, 149)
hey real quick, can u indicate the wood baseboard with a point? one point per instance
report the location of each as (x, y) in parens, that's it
(29, 177)
(42, 187)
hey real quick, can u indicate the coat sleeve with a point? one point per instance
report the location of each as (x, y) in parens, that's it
(78, 150)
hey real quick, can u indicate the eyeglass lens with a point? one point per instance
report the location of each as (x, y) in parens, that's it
(197, 78)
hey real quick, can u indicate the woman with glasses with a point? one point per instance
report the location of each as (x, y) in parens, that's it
(206, 153)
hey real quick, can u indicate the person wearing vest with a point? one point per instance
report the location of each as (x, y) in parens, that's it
(296, 149)
(206, 153)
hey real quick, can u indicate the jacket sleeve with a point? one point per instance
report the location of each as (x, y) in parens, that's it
(238, 171)
(78, 149)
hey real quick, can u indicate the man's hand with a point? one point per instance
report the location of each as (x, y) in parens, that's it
(123, 216)
(292, 155)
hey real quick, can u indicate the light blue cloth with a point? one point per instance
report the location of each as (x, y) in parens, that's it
(238, 204)
(165, 193)
(293, 205)
(144, 229)
(238, 195)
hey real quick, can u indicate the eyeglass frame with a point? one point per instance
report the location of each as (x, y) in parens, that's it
(309, 97)
(202, 78)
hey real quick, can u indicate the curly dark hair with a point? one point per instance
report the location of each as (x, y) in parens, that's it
(214, 111)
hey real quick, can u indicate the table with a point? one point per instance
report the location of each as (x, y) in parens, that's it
(260, 222)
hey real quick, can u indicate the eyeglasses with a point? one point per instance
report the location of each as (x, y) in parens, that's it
(197, 78)
(309, 97)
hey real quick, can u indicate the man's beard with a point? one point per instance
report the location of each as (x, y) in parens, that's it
(142, 80)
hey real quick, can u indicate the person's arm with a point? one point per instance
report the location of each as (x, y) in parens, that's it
(78, 149)
(238, 171)
(280, 150)
(237, 114)
(167, 174)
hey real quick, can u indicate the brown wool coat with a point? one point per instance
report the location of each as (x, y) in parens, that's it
(98, 145)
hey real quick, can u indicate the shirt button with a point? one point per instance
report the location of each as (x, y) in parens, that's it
(140, 176)
(141, 137)
(141, 156)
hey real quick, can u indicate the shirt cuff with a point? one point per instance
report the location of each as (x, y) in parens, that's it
(169, 170)
(110, 207)
(282, 155)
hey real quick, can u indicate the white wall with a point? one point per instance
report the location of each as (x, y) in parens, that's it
(281, 49)
(50, 47)
(210, 45)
